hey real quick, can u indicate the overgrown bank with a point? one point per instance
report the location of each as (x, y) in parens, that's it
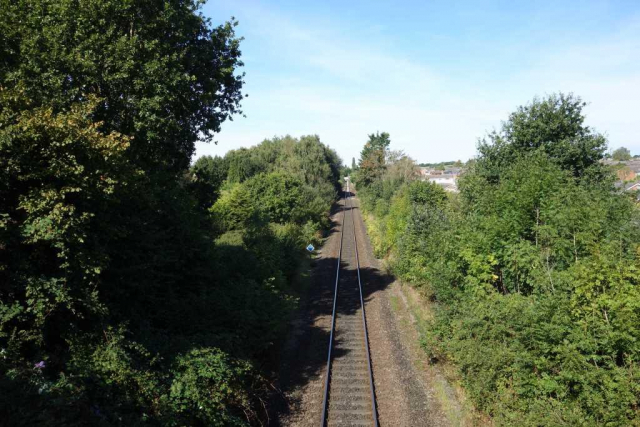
(134, 288)
(534, 266)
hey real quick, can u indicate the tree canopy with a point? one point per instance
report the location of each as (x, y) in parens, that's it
(554, 125)
(621, 154)
(373, 157)
(125, 297)
(159, 71)
(532, 270)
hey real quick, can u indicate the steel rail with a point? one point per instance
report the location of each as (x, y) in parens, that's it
(325, 401)
(364, 322)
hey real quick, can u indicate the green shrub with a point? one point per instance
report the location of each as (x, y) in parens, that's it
(535, 268)
(210, 388)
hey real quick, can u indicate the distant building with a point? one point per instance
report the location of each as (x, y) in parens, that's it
(446, 178)
(453, 171)
(626, 172)
(633, 164)
(446, 181)
(633, 187)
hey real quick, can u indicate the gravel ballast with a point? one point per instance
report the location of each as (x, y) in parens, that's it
(405, 392)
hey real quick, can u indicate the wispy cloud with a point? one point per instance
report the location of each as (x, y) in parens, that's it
(312, 76)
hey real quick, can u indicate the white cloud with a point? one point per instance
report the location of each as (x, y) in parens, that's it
(320, 80)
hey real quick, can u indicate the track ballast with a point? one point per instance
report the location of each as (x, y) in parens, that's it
(349, 395)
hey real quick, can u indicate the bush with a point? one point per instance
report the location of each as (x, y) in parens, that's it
(535, 268)
(210, 388)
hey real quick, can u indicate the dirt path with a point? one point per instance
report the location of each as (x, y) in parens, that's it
(408, 391)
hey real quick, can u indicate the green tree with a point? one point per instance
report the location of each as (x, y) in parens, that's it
(242, 165)
(237, 209)
(555, 125)
(314, 162)
(533, 270)
(402, 169)
(373, 157)
(163, 75)
(307, 158)
(621, 154)
(377, 145)
(62, 172)
(207, 175)
(105, 262)
(344, 172)
(283, 198)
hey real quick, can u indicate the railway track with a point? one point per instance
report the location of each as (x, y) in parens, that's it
(349, 395)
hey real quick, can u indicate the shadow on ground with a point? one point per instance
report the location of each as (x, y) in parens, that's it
(304, 357)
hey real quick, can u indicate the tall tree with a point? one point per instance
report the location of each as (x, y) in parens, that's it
(207, 175)
(373, 157)
(621, 154)
(163, 75)
(101, 102)
(555, 125)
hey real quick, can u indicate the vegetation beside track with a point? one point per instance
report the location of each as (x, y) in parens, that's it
(534, 267)
(134, 288)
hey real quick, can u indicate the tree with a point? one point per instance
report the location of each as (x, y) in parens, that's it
(353, 163)
(373, 157)
(237, 209)
(555, 125)
(345, 171)
(621, 154)
(105, 262)
(534, 266)
(64, 177)
(162, 74)
(402, 169)
(376, 146)
(314, 162)
(280, 196)
(207, 175)
(310, 160)
(242, 165)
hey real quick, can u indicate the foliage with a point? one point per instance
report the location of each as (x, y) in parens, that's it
(345, 172)
(443, 165)
(207, 176)
(387, 195)
(62, 172)
(306, 158)
(164, 76)
(242, 165)
(621, 154)
(535, 268)
(125, 292)
(236, 210)
(285, 198)
(554, 125)
(293, 181)
(206, 383)
(373, 157)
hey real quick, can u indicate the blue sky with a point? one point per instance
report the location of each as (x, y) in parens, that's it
(436, 75)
